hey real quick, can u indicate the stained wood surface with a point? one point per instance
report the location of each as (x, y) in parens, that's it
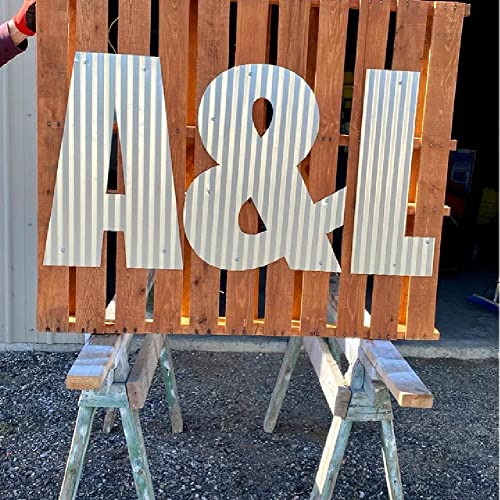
(436, 130)
(408, 55)
(134, 28)
(92, 36)
(213, 58)
(332, 34)
(194, 48)
(174, 54)
(251, 47)
(292, 54)
(370, 53)
(53, 88)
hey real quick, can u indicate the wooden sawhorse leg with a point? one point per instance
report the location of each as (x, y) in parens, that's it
(137, 453)
(77, 452)
(123, 389)
(115, 397)
(365, 398)
(391, 462)
(279, 391)
(168, 373)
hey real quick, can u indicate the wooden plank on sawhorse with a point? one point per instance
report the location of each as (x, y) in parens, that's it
(123, 389)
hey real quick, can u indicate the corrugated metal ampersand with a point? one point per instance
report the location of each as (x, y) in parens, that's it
(264, 169)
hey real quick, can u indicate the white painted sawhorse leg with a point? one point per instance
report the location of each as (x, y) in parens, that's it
(359, 396)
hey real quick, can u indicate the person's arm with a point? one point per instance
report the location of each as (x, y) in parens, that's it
(8, 48)
(13, 34)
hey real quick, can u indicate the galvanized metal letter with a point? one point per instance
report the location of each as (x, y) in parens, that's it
(380, 245)
(131, 87)
(264, 169)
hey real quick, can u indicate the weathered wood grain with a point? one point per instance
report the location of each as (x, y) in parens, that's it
(94, 362)
(333, 384)
(395, 372)
(141, 374)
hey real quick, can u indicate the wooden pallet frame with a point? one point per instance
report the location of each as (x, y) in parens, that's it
(194, 48)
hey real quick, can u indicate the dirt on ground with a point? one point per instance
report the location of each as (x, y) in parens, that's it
(448, 452)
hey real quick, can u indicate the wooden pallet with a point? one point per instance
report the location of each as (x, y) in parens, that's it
(196, 41)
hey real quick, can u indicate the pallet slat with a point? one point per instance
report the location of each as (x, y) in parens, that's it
(53, 88)
(332, 34)
(174, 53)
(92, 36)
(411, 24)
(370, 53)
(134, 27)
(251, 47)
(292, 54)
(213, 58)
(436, 131)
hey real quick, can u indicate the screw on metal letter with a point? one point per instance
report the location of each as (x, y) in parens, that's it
(263, 168)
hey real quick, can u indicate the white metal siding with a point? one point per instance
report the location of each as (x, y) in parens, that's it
(18, 195)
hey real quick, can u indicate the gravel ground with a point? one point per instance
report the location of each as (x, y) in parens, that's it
(449, 452)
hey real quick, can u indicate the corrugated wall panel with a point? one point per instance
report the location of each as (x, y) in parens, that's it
(18, 227)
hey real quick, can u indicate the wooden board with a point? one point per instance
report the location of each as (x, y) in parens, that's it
(333, 384)
(370, 53)
(174, 53)
(53, 87)
(333, 16)
(134, 28)
(92, 36)
(142, 373)
(251, 47)
(94, 362)
(395, 372)
(292, 54)
(411, 24)
(213, 58)
(436, 131)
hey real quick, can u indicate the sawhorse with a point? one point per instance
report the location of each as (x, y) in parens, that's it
(361, 394)
(103, 374)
